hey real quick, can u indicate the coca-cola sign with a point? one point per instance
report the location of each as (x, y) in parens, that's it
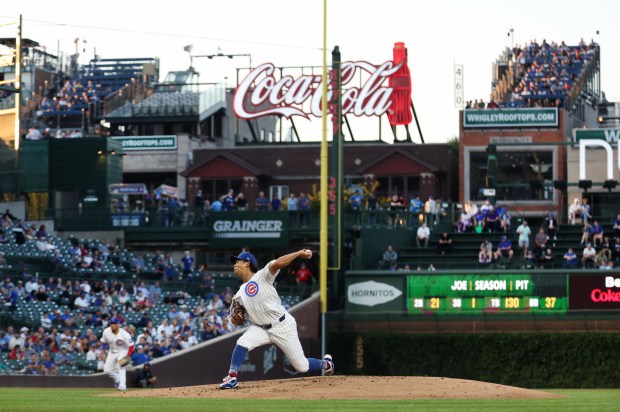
(594, 292)
(261, 93)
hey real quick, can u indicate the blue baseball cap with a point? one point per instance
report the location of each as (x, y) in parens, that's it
(114, 320)
(246, 256)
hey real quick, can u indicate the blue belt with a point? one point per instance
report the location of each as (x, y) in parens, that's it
(269, 326)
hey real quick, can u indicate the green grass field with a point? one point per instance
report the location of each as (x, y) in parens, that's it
(21, 399)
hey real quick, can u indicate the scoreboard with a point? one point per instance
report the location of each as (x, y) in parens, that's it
(488, 293)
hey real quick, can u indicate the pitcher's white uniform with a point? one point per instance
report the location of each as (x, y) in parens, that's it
(271, 323)
(119, 347)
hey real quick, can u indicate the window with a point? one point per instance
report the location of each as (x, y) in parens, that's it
(280, 191)
(521, 175)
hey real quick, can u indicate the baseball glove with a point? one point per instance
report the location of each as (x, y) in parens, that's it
(237, 314)
(125, 360)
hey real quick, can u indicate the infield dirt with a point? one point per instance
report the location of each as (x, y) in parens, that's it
(350, 387)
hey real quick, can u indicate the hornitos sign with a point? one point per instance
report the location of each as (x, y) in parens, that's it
(371, 293)
(510, 118)
(148, 142)
(259, 229)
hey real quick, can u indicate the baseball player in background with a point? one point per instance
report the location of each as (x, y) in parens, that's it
(271, 323)
(119, 353)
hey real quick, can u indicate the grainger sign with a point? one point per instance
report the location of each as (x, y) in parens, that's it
(261, 93)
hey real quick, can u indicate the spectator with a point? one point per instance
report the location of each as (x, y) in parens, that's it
(303, 276)
(586, 233)
(586, 211)
(600, 260)
(64, 358)
(275, 203)
(444, 244)
(430, 209)
(291, 206)
(504, 249)
(216, 206)
(423, 235)
(570, 259)
(210, 331)
(541, 240)
(588, 255)
(616, 226)
(17, 353)
(262, 203)
(547, 259)
(524, 237)
(597, 233)
(574, 211)
(479, 221)
(372, 204)
(137, 264)
(145, 377)
(304, 209)
(530, 260)
(504, 219)
(389, 258)
(396, 207)
(415, 209)
(241, 202)
(486, 252)
(551, 225)
(464, 222)
(228, 201)
(492, 220)
(188, 265)
(355, 200)
(139, 357)
(606, 248)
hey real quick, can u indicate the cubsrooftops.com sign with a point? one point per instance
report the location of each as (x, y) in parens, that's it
(510, 118)
(148, 142)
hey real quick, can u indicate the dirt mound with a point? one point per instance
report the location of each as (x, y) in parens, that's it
(350, 387)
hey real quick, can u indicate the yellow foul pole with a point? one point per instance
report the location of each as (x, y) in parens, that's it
(18, 84)
(323, 233)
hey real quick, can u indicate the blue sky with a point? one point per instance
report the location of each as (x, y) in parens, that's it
(290, 33)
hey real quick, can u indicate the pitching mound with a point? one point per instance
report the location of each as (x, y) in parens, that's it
(350, 387)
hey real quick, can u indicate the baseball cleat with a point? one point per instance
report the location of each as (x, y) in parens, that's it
(122, 388)
(229, 382)
(329, 367)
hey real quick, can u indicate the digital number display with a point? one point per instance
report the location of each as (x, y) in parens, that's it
(471, 294)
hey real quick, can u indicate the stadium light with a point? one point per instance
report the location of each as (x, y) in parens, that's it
(585, 185)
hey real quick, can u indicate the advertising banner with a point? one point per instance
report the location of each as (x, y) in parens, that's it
(510, 118)
(148, 142)
(600, 292)
(609, 135)
(253, 229)
(375, 294)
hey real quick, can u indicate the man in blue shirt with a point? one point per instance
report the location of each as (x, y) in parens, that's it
(355, 200)
(504, 248)
(188, 265)
(229, 201)
(415, 207)
(139, 357)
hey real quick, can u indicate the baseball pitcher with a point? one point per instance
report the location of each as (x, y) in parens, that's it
(258, 301)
